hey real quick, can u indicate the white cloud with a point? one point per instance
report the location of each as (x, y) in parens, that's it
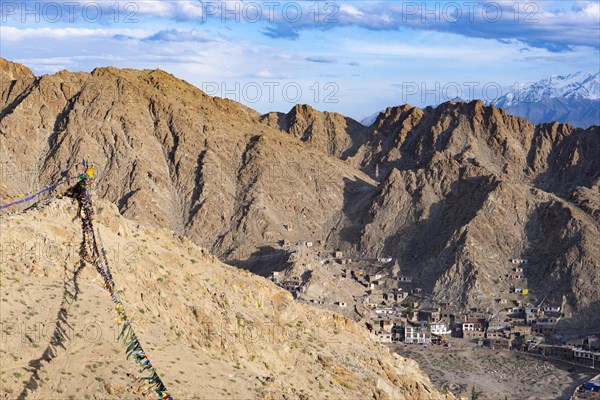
(351, 11)
(12, 34)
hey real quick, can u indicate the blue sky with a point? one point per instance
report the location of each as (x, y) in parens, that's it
(354, 57)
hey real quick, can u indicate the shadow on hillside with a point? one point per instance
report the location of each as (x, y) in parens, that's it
(547, 245)
(262, 261)
(422, 248)
(60, 335)
(562, 175)
(359, 135)
(358, 196)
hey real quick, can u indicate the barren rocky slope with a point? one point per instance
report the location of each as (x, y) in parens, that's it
(169, 155)
(332, 133)
(211, 330)
(451, 193)
(470, 187)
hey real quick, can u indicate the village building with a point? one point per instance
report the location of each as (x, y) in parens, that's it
(555, 309)
(384, 260)
(498, 339)
(397, 333)
(562, 352)
(586, 357)
(274, 277)
(519, 261)
(518, 311)
(386, 310)
(495, 334)
(384, 337)
(476, 317)
(402, 278)
(545, 326)
(338, 254)
(473, 330)
(439, 329)
(499, 343)
(374, 277)
(400, 295)
(579, 342)
(388, 297)
(520, 330)
(416, 335)
(292, 284)
(473, 334)
(497, 324)
(429, 315)
(531, 314)
(382, 328)
(448, 315)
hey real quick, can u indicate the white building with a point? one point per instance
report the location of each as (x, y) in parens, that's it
(519, 261)
(586, 355)
(413, 334)
(552, 309)
(439, 329)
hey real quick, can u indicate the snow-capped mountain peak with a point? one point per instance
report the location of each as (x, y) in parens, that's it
(369, 120)
(580, 85)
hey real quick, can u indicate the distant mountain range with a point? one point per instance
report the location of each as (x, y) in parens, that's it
(370, 119)
(573, 99)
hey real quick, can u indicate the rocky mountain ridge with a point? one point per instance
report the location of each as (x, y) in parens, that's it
(449, 192)
(573, 99)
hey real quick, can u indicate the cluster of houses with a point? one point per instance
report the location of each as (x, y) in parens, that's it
(398, 327)
(395, 313)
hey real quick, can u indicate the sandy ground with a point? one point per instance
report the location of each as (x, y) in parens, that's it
(496, 374)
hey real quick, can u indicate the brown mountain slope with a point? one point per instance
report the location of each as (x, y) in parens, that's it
(470, 187)
(331, 133)
(168, 154)
(554, 157)
(211, 330)
(449, 178)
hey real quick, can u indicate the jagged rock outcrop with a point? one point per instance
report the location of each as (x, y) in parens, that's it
(329, 132)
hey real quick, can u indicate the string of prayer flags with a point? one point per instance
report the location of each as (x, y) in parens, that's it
(25, 197)
(95, 253)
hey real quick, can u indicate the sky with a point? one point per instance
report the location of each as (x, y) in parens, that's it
(352, 57)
